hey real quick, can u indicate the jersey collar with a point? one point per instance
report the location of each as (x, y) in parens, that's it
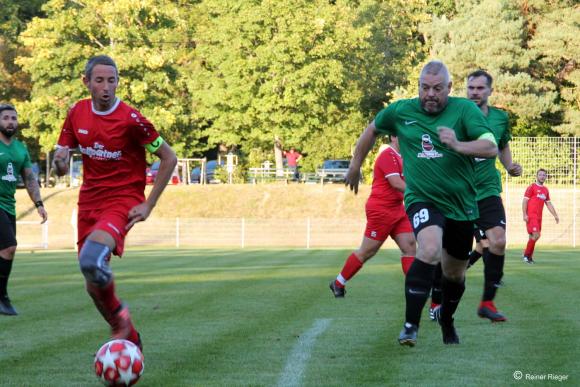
(112, 109)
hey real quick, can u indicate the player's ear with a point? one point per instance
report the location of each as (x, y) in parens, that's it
(449, 85)
(85, 80)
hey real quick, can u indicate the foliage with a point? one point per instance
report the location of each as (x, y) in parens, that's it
(149, 41)
(465, 44)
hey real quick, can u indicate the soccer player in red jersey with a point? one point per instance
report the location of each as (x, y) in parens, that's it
(385, 216)
(533, 205)
(112, 137)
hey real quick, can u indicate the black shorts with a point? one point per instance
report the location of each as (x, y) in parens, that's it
(491, 213)
(457, 235)
(7, 230)
(479, 234)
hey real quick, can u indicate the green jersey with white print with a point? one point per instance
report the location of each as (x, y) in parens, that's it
(13, 159)
(433, 172)
(487, 177)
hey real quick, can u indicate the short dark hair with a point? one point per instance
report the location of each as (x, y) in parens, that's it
(541, 170)
(436, 67)
(481, 73)
(7, 106)
(99, 60)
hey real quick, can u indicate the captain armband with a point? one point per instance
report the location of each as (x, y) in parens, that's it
(155, 145)
(488, 136)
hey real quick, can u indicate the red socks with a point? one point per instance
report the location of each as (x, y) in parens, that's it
(406, 263)
(350, 268)
(530, 248)
(105, 299)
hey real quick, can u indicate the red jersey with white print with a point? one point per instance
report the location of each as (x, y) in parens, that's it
(112, 146)
(388, 163)
(537, 195)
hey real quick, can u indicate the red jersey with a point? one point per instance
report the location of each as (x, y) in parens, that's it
(388, 163)
(537, 195)
(292, 158)
(112, 146)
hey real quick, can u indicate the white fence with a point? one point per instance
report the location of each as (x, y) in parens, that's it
(559, 156)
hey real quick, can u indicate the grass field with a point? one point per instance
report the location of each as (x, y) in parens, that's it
(266, 317)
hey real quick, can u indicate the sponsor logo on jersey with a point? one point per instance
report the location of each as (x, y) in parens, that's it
(429, 151)
(98, 152)
(409, 122)
(9, 174)
(83, 131)
(541, 196)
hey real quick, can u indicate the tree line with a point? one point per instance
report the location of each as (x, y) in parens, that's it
(239, 73)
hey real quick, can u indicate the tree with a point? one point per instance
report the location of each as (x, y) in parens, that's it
(307, 71)
(151, 43)
(555, 39)
(465, 44)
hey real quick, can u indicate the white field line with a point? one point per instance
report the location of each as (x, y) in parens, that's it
(300, 354)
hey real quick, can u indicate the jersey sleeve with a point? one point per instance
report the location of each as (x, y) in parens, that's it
(507, 135)
(528, 194)
(388, 164)
(27, 163)
(143, 130)
(474, 121)
(67, 135)
(385, 120)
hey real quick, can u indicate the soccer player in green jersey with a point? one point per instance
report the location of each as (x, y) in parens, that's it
(438, 137)
(492, 220)
(14, 162)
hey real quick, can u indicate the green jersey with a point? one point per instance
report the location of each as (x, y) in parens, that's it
(13, 159)
(434, 173)
(487, 177)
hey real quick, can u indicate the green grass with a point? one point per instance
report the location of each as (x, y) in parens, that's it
(234, 317)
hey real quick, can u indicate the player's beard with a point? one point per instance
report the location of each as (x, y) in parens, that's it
(435, 107)
(8, 132)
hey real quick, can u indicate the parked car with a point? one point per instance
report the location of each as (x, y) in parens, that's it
(210, 167)
(151, 174)
(333, 171)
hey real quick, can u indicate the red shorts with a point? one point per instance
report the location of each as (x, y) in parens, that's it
(386, 221)
(534, 225)
(112, 220)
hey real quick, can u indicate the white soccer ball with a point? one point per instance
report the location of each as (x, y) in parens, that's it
(119, 363)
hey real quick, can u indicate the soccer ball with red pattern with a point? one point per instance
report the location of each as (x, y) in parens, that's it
(119, 363)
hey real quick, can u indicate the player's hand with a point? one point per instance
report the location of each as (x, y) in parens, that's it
(515, 169)
(138, 214)
(525, 218)
(352, 179)
(557, 219)
(60, 160)
(43, 214)
(447, 137)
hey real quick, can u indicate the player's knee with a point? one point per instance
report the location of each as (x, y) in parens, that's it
(94, 265)
(430, 253)
(497, 245)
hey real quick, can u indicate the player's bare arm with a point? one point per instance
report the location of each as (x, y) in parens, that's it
(485, 148)
(553, 211)
(363, 146)
(61, 160)
(33, 190)
(525, 209)
(397, 183)
(168, 160)
(505, 157)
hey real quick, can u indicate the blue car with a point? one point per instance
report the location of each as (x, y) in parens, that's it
(210, 167)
